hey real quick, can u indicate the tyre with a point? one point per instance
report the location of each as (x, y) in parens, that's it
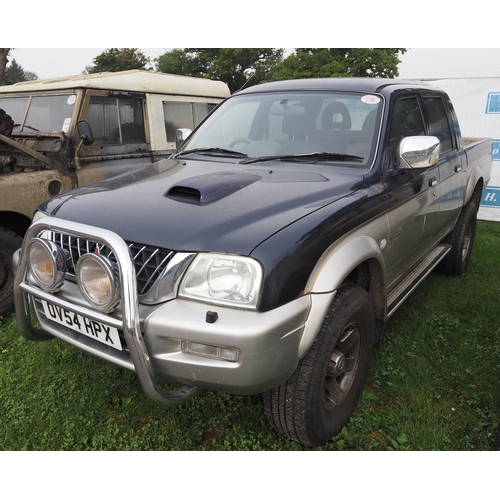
(318, 399)
(461, 240)
(9, 243)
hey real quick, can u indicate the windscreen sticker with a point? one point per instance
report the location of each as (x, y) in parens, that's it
(66, 124)
(71, 100)
(370, 99)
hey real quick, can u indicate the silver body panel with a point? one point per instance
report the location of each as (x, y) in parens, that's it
(267, 343)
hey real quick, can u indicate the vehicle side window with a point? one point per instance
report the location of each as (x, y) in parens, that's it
(438, 122)
(183, 115)
(406, 121)
(116, 120)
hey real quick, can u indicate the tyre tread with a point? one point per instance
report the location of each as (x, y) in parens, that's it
(288, 407)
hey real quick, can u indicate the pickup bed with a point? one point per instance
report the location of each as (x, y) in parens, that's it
(267, 253)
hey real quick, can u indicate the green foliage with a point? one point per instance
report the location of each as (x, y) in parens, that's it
(433, 384)
(119, 60)
(4, 54)
(360, 62)
(238, 68)
(16, 73)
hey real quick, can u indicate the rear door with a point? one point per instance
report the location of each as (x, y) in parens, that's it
(449, 188)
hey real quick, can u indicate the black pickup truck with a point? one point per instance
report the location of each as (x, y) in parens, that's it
(267, 253)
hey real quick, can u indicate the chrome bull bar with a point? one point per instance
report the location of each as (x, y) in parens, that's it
(129, 302)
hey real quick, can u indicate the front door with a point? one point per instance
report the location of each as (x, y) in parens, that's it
(414, 204)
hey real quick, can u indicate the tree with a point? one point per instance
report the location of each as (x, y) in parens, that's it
(328, 62)
(16, 73)
(4, 53)
(236, 67)
(119, 60)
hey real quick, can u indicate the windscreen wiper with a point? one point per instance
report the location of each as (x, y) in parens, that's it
(216, 151)
(307, 156)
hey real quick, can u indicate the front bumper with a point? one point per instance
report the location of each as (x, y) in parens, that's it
(267, 344)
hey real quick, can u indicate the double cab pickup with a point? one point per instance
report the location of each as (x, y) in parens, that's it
(267, 253)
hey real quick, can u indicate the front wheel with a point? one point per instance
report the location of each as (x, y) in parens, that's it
(9, 243)
(318, 399)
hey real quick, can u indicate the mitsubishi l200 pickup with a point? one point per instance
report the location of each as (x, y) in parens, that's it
(267, 253)
(63, 133)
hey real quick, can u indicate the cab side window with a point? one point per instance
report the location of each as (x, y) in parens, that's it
(116, 120)
(406, 121)
(179, 114)
(438, 122)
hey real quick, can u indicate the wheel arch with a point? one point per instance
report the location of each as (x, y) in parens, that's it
(474, 187)
(359, 261)
(16, 222)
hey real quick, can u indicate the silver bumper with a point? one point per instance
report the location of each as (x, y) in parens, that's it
(267, 343)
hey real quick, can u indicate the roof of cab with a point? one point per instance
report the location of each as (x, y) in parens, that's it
(340, 84)
(133, 80)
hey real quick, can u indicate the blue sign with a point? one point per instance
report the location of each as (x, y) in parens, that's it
(496, 150)
(493, 104)
(491, 197)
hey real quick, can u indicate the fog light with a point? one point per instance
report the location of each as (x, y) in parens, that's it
(210, 351)
(97, 279)
(47, 262)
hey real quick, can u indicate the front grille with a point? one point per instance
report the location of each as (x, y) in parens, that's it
(149, 261)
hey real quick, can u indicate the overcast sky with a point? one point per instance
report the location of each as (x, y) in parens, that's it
(416, 62)
(262, 23)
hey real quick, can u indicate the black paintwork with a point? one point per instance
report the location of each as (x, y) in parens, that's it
(283, 214)
(237, 217)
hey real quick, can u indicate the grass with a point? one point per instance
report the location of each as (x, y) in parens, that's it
(434, 384)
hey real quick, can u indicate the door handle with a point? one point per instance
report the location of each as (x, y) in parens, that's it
(458, 168)
(432, 182)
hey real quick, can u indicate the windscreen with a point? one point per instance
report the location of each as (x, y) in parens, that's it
(40, 114)
(274, 124)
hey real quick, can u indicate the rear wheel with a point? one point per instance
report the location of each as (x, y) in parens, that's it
(461, 240)
(318, 399)
(9, 243)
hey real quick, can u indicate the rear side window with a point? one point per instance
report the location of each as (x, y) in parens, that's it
(116, 120)
(438, 122)
(183, 115)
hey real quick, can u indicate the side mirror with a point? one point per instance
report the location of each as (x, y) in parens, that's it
(418, 152)
(181, 134)
(85, 132)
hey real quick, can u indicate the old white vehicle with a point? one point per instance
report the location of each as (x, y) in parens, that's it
(59, 134)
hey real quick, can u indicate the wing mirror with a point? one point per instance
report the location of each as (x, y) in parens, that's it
(85, 132)
(418, 152)
(86, 139)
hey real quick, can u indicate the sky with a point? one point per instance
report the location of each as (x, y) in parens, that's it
(415, 63)
(220, 23)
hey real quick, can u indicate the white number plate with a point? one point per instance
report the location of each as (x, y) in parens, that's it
(98, 331)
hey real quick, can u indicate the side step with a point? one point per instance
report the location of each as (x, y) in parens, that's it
(415, 276)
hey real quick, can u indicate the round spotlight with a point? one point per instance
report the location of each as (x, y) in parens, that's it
(97, 279)
(47, 262)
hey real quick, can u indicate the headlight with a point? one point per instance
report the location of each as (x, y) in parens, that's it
(223, 279)
(47, 262)
(97, 279)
